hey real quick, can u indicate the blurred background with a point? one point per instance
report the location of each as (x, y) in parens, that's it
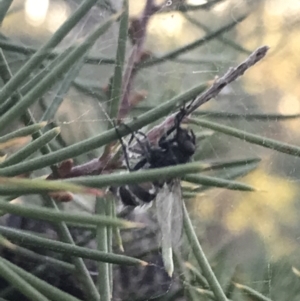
(256, 230)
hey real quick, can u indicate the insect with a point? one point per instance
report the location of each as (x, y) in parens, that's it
(176, 146)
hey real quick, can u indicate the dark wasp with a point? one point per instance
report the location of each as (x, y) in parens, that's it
(176, 146)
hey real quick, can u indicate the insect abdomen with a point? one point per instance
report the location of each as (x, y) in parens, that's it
(134, 195)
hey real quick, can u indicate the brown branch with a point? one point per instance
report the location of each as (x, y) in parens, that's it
(231, 75)
(138, 30)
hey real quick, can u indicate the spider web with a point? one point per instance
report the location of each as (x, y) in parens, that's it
(258, 232)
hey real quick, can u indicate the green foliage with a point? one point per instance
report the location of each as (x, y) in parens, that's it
(56, 71)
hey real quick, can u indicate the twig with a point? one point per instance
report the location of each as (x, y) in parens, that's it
(231, 75)
(139, 28)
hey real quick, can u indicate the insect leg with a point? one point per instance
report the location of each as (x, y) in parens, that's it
(163, 141)
(146, 149)
(140, 164)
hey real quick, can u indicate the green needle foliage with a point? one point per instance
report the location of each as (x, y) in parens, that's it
(70, 159)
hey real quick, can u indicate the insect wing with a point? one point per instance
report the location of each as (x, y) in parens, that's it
(169, 216)
(177, 214)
